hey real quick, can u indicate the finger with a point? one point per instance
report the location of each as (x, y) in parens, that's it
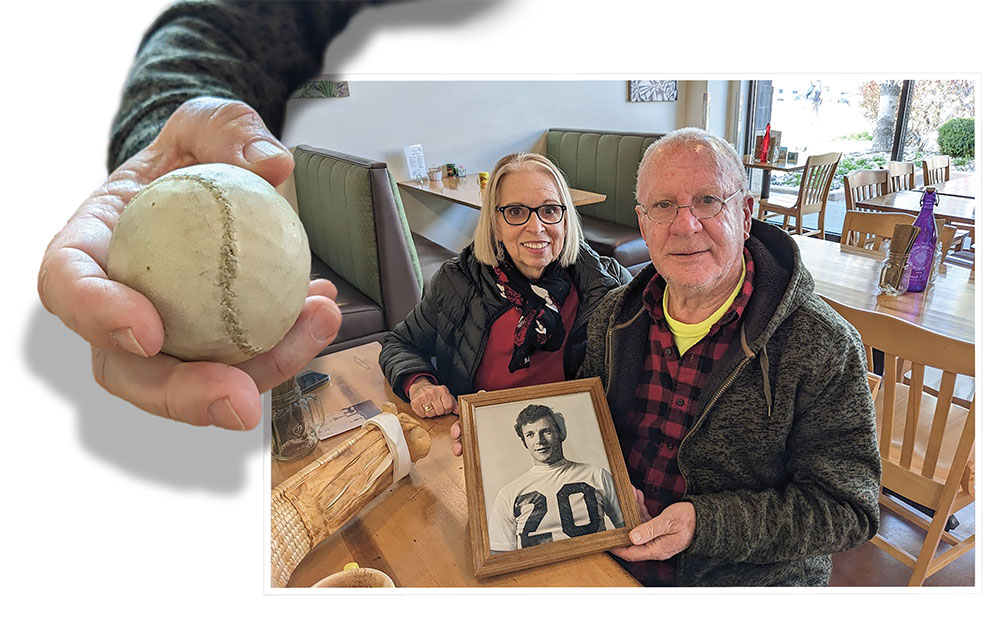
(644, 512)
(420, 401)
(199, 393)
(660, 548)
(640, 500)
(440, 399)
(73, 285)
(637, 553)
(447, 403)
(226, 131)
(456, 436)
(315, 328)
(323, 287)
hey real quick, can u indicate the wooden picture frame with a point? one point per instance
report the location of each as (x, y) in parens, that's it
(500, 470)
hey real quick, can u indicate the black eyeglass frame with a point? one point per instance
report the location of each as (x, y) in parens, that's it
(562, 213)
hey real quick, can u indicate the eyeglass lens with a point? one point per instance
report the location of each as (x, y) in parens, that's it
(519, 215)
(704, 207)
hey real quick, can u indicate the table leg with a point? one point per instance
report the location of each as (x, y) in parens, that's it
(765, 183)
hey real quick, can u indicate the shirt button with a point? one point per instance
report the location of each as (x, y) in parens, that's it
(680, 402)
(668, 352)
(670, 445)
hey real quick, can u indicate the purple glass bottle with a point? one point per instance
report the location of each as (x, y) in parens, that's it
(922, 253)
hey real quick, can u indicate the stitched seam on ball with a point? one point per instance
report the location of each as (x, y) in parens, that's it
(227, 267)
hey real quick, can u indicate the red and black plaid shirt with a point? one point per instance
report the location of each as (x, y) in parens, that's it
(662, 412)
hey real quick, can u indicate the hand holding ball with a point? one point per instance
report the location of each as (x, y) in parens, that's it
(220, 254)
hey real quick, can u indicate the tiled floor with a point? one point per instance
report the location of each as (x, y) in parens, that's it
(870, 566)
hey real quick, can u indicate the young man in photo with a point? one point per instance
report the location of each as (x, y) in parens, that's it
(556, 498)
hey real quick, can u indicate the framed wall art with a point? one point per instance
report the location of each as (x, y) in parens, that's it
(544, 476)
(652, 91)
(321, 89)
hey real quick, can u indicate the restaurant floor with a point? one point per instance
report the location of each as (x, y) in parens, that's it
(870, 566)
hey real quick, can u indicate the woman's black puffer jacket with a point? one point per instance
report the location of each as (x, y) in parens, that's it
(445, 335)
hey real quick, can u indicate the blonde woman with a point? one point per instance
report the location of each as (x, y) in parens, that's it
(511, 309)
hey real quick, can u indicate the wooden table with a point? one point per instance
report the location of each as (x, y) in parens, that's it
(953, 209)
(765, 180)
(417, 532)
(850, 276)
(966, 186)
(466, 191)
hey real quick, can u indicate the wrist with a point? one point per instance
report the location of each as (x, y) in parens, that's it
(411, 382)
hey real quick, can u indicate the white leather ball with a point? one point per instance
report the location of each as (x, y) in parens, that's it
(220, 254)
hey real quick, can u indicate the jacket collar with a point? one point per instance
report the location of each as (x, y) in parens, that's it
(589, 274)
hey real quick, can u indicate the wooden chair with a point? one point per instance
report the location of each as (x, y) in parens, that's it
(873, 230)
(926, 442)
(937, 169)
(901, 176)
(864, 184)
(813, 192)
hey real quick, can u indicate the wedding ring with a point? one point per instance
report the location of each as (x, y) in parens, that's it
(428, 407)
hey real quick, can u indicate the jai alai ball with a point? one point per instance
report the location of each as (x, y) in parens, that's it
(220, 254)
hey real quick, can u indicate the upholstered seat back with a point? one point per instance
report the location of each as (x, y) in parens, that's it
(353, 215)
(602, 162)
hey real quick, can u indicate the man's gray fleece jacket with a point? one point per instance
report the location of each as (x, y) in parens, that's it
(781, 464)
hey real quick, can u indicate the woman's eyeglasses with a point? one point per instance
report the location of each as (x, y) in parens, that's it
(550, 214)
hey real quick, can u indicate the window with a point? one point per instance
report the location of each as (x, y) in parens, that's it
(870, 121)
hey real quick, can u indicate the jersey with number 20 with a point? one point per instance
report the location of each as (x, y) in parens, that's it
(549, 503)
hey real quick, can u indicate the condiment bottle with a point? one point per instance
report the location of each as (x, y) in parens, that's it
(922, 254)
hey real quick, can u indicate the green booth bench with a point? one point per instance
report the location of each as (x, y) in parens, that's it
(605, 162)
(361, 241)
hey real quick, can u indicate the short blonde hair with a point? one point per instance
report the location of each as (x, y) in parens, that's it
(486, 242)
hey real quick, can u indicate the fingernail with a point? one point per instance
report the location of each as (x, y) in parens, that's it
(122, 338)
(222, 414)
(260, 150)
(636, 537)
(323, 325)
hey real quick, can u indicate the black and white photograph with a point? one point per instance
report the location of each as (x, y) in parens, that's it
(545, 476)
(563, 490)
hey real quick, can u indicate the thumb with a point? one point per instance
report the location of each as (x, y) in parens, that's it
(214, 130)
(650, 530)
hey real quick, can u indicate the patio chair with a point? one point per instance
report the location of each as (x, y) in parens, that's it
(925, 441)
(937, 169)
(901, 176)
(864, 184)
(814, 189)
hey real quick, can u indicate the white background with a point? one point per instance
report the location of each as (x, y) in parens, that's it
(109, 511)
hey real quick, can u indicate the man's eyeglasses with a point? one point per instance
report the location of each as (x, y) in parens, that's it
(550, 214)
(704, 207)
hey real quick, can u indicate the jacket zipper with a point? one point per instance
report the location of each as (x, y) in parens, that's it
(704, 413)
(581, 319)
(482, 349)
(718, 393)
